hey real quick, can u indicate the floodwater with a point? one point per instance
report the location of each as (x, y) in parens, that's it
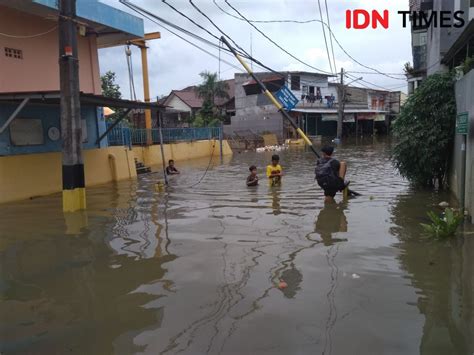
(194, 270)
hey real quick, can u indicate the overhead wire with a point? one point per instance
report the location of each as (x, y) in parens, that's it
(29, 36)
(324, 24)
(164, 23)
(325, 38)
(275, 43)
(218, 28)
(330, 37)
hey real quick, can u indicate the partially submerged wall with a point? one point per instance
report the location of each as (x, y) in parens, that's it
(465, 103)
(180, 151)
(31, 175)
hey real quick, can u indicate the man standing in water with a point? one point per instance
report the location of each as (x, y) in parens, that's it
(330, 174)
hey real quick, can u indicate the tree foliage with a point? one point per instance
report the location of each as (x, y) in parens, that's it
(425, 131)
(210, 89)
(111, 89)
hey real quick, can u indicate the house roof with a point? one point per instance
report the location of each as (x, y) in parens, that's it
(190, 97)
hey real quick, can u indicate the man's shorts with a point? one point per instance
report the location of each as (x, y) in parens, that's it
(333, 192)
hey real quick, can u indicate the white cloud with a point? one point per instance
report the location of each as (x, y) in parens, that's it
(175, 64)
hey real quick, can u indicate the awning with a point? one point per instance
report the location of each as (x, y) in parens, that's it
(53, 98)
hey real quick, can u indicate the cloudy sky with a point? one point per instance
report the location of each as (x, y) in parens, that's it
(175, 64)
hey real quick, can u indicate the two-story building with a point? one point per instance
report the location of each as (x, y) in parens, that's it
(316, 113)
(30, 131)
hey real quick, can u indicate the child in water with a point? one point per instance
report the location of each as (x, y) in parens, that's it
(252, 179)
(274, 171)
(171, 169)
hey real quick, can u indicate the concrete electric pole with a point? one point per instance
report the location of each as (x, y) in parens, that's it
(341, 93)
(74, 192)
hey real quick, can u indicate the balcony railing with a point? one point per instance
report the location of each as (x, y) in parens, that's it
(138, 136)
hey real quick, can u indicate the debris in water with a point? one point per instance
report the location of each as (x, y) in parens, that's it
(371, 198)
(272, 148)
(355, 276)
(282, 285)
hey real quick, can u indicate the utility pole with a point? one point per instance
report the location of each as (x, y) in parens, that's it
(341, 93)
(74, 192)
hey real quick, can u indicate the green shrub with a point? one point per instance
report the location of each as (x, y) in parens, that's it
(425, 131)
(443, 227)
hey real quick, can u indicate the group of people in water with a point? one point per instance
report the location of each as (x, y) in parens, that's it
(330, 173)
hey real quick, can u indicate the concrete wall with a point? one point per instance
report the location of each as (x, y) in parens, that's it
(151, 155)
(254, 112)
(441, 39)
(32, 175)
(465, 103)
(39, 68)
(49, 116)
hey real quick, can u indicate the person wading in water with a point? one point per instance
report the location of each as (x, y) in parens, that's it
(330, 174)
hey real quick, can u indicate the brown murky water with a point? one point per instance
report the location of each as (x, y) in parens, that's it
(194, 270)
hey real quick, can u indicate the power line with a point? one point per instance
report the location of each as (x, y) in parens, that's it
(151, 18)
(263, 21)
(308, 21)
(29, 36)
(330, 37)
(325, 38)
(272, 41)
(217, 27)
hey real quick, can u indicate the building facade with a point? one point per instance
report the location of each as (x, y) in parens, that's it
(30, 124)
(365, 111)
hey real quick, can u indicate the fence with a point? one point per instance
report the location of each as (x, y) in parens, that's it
(138, 136)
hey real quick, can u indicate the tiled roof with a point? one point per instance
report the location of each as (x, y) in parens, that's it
(189, 96)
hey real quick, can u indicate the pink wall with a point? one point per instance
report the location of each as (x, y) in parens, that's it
(39, 69)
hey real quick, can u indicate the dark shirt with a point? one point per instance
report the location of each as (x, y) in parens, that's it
(252, 180)
(335, 164)
(171, 170)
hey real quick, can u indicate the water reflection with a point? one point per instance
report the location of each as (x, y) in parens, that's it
(331, 220)
(73, 287)
(115, 283)
(275, 196)
(443, 272)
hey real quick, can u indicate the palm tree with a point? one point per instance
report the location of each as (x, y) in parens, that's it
(210, 89)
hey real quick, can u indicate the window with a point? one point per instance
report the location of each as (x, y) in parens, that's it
(305, 90)
(295, 82)
(381, 104)
(26, 131)
(374, 103)
(419, 39)
(13, 53)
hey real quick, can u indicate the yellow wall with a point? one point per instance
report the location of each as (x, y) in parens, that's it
(180, 151)
(31, 175)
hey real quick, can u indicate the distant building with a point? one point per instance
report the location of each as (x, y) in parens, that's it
(183, 105)
(316, 112)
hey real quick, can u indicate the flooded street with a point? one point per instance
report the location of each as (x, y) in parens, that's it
(194, 270)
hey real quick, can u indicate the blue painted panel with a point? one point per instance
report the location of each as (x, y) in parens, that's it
(50, 117)
(96, 11)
